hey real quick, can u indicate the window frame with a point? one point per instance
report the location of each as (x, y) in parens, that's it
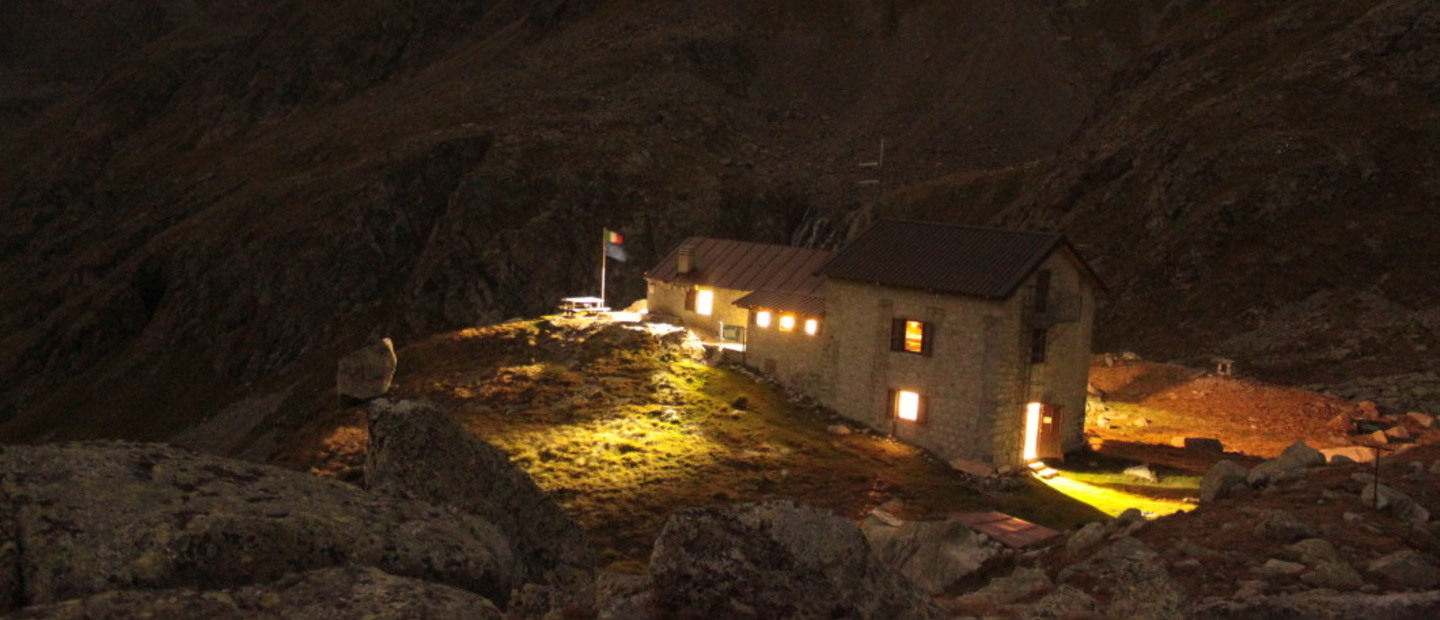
(898, 327)
(922, 406)
(1039, 345)
(763, 319)
(1041, 302)
(709, 296)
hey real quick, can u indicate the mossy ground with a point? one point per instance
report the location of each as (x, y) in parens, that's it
(623, 428)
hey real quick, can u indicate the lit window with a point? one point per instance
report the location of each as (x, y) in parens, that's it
(914, 336)
(787, 322)
(704, 302)
(907, 406)
(762, 318)
(812, 326)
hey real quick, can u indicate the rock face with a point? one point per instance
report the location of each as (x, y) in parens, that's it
(777, 560)
(1322, 604)
(95, 517)
(1396, 502)
(1406, 569)
(1134, 579)
(932, 554)
(1290, 465)
(418, 451)
(1221, 479)
(366, 373)
(325, 594)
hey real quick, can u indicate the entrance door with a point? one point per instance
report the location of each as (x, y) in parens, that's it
(1043, 431)
(1051, 439)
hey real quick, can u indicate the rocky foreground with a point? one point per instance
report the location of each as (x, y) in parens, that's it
(446, 527)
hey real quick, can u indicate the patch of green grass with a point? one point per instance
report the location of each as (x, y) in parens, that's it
(623, 429)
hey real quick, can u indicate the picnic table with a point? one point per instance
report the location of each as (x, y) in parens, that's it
(582, 305)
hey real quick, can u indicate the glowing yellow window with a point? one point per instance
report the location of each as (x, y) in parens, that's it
(762, 318)
(812, 326)
(704, 302)
(914, 336)
(787, 322)
(907, 405)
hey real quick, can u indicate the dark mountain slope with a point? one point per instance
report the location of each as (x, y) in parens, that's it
(252, 192)
(1263, 184)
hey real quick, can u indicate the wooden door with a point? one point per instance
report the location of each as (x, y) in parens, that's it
(1051, 440)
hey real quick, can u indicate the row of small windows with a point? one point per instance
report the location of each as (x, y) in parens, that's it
(787, 322)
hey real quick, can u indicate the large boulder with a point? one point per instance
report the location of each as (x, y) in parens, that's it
(934, 555)
(1292, 464)
(93, 517)
(1132, 578)
(1407, 569)
(366, 373)
(417, 450)
(1321, 604)
(1400, 504)
(324, 594)
(1220, 479)
(777, 560)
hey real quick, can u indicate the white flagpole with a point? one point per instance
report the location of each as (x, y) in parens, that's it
(604, 239)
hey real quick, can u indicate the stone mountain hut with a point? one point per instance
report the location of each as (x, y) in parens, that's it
(973, 343)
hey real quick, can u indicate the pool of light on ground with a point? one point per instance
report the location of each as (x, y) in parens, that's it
(1110, 501)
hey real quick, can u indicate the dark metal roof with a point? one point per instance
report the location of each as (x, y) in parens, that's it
(746, 266)
(785, 302)
(963, 260)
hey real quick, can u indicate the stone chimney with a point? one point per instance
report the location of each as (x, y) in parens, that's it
(686, 262)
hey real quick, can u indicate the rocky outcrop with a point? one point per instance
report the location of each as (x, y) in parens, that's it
(324, 594)
(417, 450)
(1408, 569)
(933, 555)
(95, 517)
(1132, 578)
(1290, 465)
(1322, 604)
(1220, 479)
(777, 560)
(366, 373)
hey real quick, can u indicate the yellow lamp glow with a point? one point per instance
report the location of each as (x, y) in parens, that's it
(762, 318)
(787, 322)
(812, 326)
(704, 302)
(1032, 431)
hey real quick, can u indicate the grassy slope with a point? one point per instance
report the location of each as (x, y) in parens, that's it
(623, 428)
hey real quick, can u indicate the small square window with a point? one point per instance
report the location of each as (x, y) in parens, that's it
(787, 322)
(762, 318)
(911, 336)
(907, 405)
(812, 326)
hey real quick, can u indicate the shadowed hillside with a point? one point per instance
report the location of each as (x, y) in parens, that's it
(254, 190)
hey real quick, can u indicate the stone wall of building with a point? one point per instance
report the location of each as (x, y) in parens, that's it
(1062, 378)
(669, 299)
(978, 380)
(794, 358)
(959, 379)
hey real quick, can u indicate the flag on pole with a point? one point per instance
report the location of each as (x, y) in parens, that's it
(614, 245)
